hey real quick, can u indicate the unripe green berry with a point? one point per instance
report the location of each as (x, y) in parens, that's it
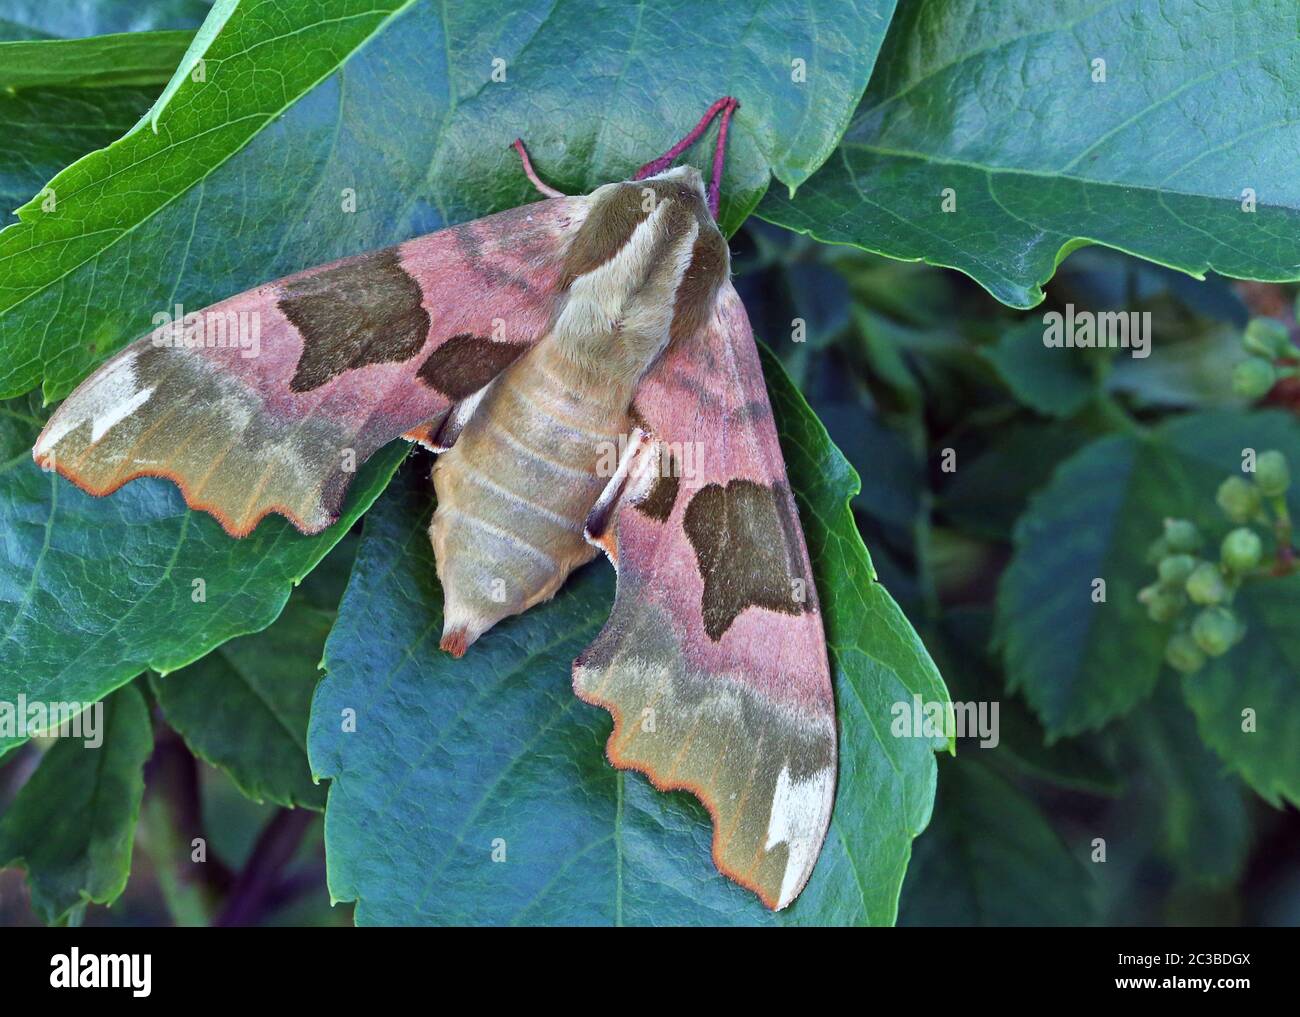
(1215, 630)
(1158, 549)
(1183, 654)
(1206, 585)
(1181, 535)
(1272, 473)
(1239, 499)
(1253, 378)
(1241, 549)
(1267, 337)
(1165, 608)
(1175, 569)
(1163, 604)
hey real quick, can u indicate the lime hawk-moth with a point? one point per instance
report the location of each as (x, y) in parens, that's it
(522, 347)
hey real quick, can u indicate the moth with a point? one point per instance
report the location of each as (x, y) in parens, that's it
(587, 374)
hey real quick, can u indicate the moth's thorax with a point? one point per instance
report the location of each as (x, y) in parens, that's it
(643, 270)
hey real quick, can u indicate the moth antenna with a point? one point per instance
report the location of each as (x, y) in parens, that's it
(531, 173)
(724, 105)
(715, 185)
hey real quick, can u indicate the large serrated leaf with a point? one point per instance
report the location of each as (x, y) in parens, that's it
(1000, 108)
(244, 707)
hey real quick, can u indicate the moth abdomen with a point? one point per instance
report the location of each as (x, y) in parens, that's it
(515, 490)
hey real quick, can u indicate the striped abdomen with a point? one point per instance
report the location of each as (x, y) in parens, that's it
(515, 489)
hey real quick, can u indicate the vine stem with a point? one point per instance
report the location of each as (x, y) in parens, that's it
(172, 820)
(259, 880)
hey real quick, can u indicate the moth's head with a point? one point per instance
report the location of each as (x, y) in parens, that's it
(618, 209)
(686, 183)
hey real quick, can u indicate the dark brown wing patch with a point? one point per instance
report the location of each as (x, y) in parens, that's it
(741, 534)
(365, 311)
(465, 363)
(658, 504)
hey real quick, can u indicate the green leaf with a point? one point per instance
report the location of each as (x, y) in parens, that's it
(885, 787)
(73, 823)
(451, 761)
(244, 707)
(969, 670)
(991, 486)
(1204, 828)
(60, 99)
(46, 129)
(884, 345)
(40, 19)
(991, 858)
(1259, 674)
(998, 103)
(193, 58)
(449, 758)
(96, 590)
(1081, 664)
(1193, 372)
(143, 58)
(1053, 382)
(396, 100)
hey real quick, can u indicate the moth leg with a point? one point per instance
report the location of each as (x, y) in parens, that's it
(531, 173)
(639, 461)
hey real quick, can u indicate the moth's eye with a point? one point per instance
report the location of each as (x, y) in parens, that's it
(686, 194)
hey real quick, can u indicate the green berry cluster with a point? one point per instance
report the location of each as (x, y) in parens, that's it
(1268, 341)
(1188, 579)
